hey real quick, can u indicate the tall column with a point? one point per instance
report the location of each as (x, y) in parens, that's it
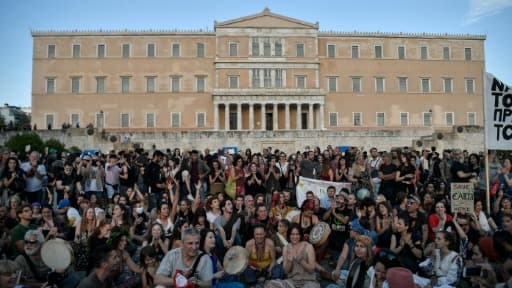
(263, 117)
(299, 116)
(275, 118)
(239, 116)
(321, 110)
(226, 116)
(310, 117)
(216, 116)
(251, 116)
(287, 116)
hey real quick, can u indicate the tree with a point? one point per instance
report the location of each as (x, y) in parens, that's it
(20, 143)
(55, 144)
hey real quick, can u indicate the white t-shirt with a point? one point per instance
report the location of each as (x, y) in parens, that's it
(173, 261)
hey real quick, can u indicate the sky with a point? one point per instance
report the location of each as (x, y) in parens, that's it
(19, 17)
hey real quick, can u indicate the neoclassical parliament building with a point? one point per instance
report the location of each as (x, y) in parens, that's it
(259, 72)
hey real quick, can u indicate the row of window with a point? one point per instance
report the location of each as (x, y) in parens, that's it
(175, 119)
(151, 86)
(266, 47)
(378, 52)
(403, 87)
(263, 78)
(125, 120)
(126, 50)
(380, 119)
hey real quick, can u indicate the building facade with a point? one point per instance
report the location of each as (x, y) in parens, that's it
(260, 72)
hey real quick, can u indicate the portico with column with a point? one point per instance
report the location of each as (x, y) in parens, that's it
(253, 112)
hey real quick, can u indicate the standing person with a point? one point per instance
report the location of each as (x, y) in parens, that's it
(112, 172)
(12, 179)
(272, 176)
(182, 260)
(387, 174)
(93, 177)
(154, 180)
(505, 177)
(308, 167)
(254, 181)
(35, 177)
(283, 165)
(198, 171)
(217, 178)
(66, 183)
(375, 162)
(460, 172)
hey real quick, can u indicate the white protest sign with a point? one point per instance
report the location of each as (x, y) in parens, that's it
(463, 196)
(318, 187)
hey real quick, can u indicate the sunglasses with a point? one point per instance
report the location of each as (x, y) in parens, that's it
(387, 255)
(33, 242)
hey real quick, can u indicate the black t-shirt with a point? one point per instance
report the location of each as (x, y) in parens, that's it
(456, 167)
(336, 225)
(387, 169)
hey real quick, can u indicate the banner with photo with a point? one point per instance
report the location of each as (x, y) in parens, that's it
(498, 113)
(318, 187)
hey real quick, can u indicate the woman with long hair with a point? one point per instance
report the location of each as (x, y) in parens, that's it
(155, 238)
(447, 262)
(272, 176)
(359, 175)
(405, 176)
(505, 176)
(217, 178)
(363, 258)
(326, 172)
(341, 170)
(279, 208)
(437, 221)
(407, 244)
(298, 262)
(148, 265)
(12, 177)
(238, 176)
(212, 210)
(384, 223)
(50, 225)
(165, 218)
(123, 274)
(179, 227)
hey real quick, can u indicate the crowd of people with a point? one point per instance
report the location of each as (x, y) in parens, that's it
(170, 218)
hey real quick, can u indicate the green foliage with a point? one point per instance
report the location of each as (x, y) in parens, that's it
(74, 149)
(55, 144)
(18, 143)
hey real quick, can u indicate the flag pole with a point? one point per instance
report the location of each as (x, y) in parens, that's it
(486, 152)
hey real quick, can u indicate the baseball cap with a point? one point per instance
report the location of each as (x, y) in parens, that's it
(357, 227)
(64, 203)
(86, 157)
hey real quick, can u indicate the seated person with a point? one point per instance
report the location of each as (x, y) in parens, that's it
(262, 258)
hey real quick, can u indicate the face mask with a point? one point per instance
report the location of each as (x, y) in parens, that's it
(139, 210)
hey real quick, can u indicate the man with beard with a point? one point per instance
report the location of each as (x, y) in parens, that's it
(65, 183)
(459, 171)
(105, 260)
(30, 262)
(338, 216)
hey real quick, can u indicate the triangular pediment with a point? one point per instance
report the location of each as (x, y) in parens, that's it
(266, 19)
